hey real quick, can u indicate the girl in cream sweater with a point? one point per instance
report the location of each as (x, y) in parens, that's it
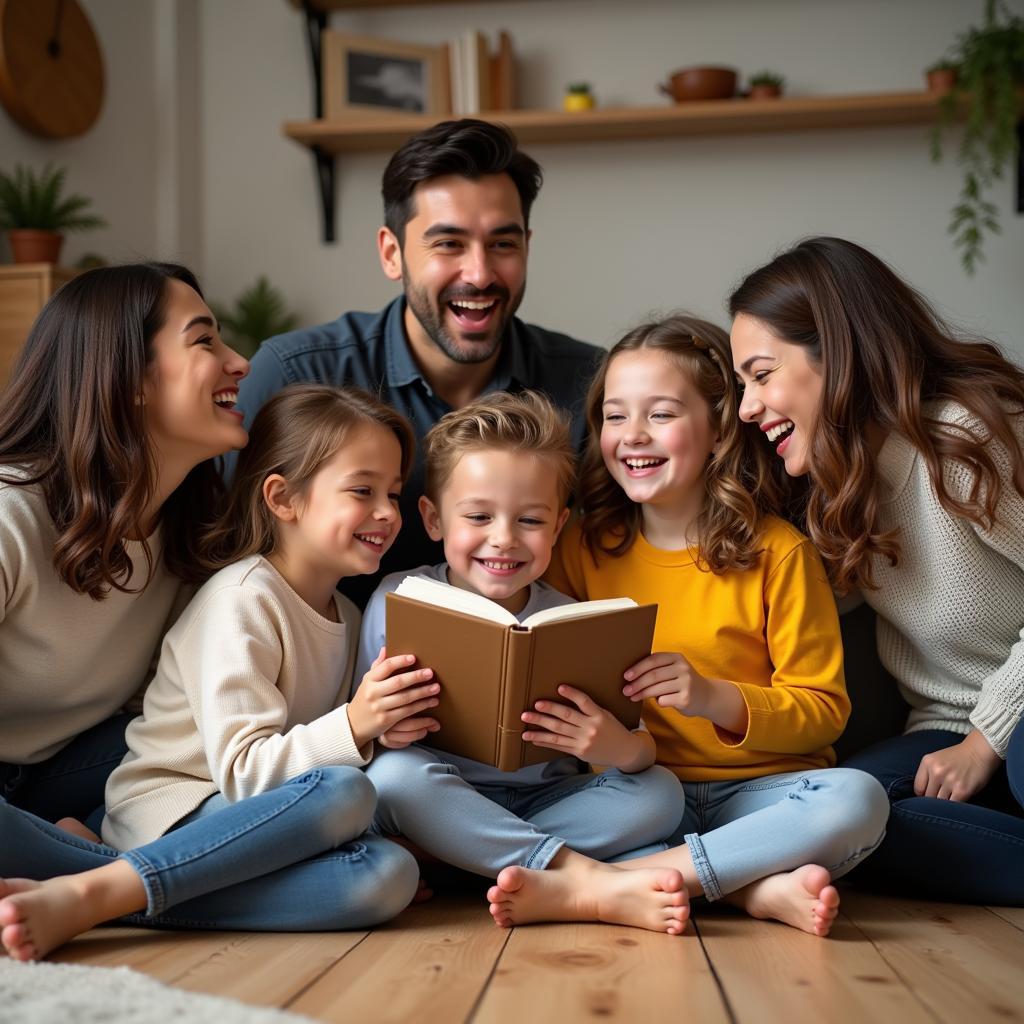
(240, 803)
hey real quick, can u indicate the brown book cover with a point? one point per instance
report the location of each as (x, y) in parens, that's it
(491, 672)
(503, 69)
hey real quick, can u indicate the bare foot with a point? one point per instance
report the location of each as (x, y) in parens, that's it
(37, 917)
(803, 898)
(423, 892)
(652, 898)
(76, 828)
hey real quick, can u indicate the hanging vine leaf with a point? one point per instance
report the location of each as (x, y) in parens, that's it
(990, 68)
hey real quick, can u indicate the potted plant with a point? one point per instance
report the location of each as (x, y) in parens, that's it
(990, 71)
(578, 97)
(941, 76)
(34, 213)
(258, 313)
(766, 85)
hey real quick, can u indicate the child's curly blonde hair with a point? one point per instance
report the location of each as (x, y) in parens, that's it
(523, 422)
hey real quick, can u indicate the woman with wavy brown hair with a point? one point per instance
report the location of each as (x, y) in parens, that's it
(121, 398)
(744, 694)
(910, 443)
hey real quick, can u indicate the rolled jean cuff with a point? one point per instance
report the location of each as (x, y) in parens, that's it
(544, 852)
(705, 873)
(156, 898)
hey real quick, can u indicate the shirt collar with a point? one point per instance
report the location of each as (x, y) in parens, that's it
(402, 369)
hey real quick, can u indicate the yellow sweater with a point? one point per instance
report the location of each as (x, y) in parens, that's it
(772, 630)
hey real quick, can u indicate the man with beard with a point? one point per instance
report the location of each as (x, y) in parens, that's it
(457, 200)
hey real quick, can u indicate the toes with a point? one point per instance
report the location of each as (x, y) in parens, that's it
(670, 881)
(511, 879)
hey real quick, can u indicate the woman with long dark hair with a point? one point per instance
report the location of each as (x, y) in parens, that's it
(123, 395)
(910, 444)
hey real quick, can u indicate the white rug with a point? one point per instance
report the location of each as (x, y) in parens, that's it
(67, 994)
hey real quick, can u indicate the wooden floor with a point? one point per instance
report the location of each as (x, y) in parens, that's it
(444, 962)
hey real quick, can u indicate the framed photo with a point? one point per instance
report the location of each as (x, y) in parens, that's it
(367, 75)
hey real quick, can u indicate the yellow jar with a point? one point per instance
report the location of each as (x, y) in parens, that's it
(578, 99)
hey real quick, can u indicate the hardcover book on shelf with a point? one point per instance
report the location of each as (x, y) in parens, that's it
(492, 668)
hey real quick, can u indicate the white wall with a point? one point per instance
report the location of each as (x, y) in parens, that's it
(619, 228)
(115, 162)
(188, 160)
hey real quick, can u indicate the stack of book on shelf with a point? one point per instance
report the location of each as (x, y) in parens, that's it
(479, 80)
(492, 668)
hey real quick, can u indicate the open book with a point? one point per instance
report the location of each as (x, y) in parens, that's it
(492, 668)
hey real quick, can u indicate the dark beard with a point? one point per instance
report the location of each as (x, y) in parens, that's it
(478, 348)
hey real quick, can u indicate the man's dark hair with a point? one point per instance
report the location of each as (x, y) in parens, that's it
(468, 148)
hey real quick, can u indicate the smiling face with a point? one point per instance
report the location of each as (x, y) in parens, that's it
(499, 515)
(192, 383)
(782, 390)
(656, 432)
(462, 264)
(348, 516)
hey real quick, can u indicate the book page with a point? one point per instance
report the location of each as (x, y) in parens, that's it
(444, 595)
(578, 610)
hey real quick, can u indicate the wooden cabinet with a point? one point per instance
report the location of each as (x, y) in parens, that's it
(24, 289)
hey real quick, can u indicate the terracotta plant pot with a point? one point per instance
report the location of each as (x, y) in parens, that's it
(765, 92)
(941, 80)
(688, 84)
(31, 246)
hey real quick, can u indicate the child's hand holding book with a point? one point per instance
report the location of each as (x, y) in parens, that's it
(589, 732)
(389, 699)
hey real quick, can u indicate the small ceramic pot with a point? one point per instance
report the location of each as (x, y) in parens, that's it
(765, 92)
(31, 246)
(941, 80)
(704, 83)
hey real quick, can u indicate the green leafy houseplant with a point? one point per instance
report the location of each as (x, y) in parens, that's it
(31, 202)
(990, 69)
(258, 313)
(770, 78)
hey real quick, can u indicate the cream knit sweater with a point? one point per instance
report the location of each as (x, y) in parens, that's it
(67, 662)
(951, 613)
(251, 691)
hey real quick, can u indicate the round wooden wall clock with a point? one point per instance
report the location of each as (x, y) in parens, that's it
(51, 68)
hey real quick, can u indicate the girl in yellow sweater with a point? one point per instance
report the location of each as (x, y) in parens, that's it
(745, 692)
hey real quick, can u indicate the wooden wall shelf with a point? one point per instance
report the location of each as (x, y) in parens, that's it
(323, 6)
(716, 117)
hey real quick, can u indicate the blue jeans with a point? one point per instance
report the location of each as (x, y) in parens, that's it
(944, 849)
(71, 783)
(285, 860)
(424, 798)
(744, 830)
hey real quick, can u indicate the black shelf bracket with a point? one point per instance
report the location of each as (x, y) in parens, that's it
(324, 162)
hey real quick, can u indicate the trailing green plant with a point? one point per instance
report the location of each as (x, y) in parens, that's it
(259, 313)
(768, 78)
(30, 200)
(990, 68)
(582, 88)
(942, 65)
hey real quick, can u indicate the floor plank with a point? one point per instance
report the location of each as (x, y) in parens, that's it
(773, 973)
(1015, 915)
(268, 969)
(600, 972)
(445, 963)
(963, 963)
(429, 965)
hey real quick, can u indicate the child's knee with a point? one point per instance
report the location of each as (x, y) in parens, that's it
(389, 882)
(859, 805)
(657, 795)
(402, 773)
(351, 801)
